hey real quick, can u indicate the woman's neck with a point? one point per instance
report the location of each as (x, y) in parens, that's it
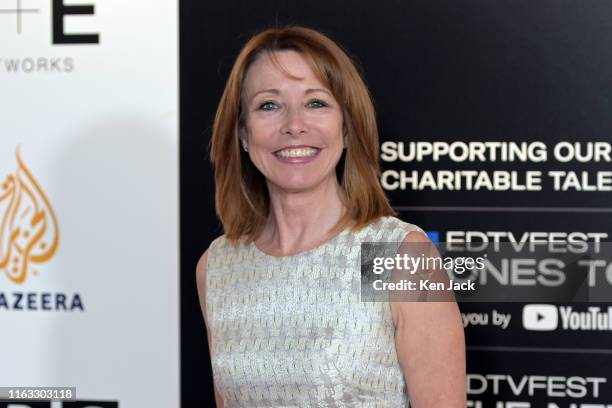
(299, 221)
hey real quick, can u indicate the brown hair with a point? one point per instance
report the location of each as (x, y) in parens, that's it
(241, 193)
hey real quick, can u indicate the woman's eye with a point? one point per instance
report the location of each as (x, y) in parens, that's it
(267, 106)
(316, 103)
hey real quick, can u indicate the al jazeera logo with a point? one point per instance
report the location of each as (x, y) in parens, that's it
(29, 237)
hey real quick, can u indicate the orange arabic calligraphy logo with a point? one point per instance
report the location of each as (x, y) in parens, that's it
(28, 226)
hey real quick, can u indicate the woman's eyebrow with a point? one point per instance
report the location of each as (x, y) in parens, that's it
(277, 92)
(311, 90)
(274, 91)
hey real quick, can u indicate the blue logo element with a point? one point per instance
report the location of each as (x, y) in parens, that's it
(434, 236)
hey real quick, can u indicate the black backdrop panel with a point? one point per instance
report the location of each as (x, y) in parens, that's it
(438, 70)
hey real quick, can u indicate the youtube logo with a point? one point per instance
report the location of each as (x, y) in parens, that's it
(540, 317)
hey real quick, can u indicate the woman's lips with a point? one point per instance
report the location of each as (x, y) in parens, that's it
(297, 154)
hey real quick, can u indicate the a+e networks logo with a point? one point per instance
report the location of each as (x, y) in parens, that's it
(28, 226)
(19, 12)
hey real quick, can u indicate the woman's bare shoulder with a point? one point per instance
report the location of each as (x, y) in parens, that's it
(413, 231)
(416, 236)
(201, 280)
(201, 275)
(201, 266)
(203, 261)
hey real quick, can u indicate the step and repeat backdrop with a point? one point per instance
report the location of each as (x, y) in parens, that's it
(89, 200)
(495, 125)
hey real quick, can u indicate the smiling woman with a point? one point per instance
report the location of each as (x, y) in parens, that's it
(292, 124)
(295, 149)
(329, 76)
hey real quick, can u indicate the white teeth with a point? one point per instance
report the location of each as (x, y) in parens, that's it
(302, 152)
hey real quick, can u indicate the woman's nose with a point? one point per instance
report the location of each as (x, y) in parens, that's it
(294, 122)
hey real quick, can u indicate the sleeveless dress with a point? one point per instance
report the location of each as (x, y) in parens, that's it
(291, 331)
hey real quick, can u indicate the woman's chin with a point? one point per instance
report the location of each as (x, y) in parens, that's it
(296, 185)
(301, 181)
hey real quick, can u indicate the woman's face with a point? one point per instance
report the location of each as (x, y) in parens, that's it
(293, 127)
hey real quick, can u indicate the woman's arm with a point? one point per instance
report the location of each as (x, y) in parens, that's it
(430, 346)
(201, 283)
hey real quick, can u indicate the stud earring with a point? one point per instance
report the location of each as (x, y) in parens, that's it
(244, 145)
